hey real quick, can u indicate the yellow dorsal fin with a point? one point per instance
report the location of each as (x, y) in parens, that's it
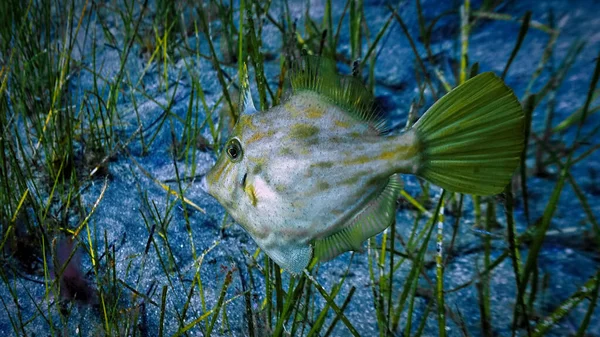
(319, 75)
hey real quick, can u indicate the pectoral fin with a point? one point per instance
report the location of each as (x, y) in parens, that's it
(376, 216)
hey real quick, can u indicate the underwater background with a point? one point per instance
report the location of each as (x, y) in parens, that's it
(113, 111)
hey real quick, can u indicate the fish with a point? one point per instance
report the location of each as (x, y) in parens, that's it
(318, 174)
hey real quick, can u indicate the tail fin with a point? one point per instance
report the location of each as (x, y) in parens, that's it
(472, 138)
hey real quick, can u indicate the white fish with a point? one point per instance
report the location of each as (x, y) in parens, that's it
(315, 177)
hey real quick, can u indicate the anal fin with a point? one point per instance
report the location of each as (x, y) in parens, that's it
(376, 216)
(293, 257)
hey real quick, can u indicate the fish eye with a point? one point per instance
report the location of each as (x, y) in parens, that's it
(234, 150)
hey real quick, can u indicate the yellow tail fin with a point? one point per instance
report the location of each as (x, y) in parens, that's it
(472, 138)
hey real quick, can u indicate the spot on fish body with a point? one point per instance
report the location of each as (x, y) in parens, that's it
(387, 155)
(257, 168)
(247, 121)
(285, 151)
(342, 124)
(323, 186)
(292, 109)
(314, 112)
(258, 135)
(303, 131)
(354, 179)
(357, 160)
(322, 164)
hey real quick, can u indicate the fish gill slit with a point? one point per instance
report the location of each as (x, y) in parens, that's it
(243, 181)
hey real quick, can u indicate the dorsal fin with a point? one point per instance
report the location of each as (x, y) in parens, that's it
(319, 75)
(246, 104)
(376, 216)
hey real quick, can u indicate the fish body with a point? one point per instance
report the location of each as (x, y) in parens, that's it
(314, 176)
